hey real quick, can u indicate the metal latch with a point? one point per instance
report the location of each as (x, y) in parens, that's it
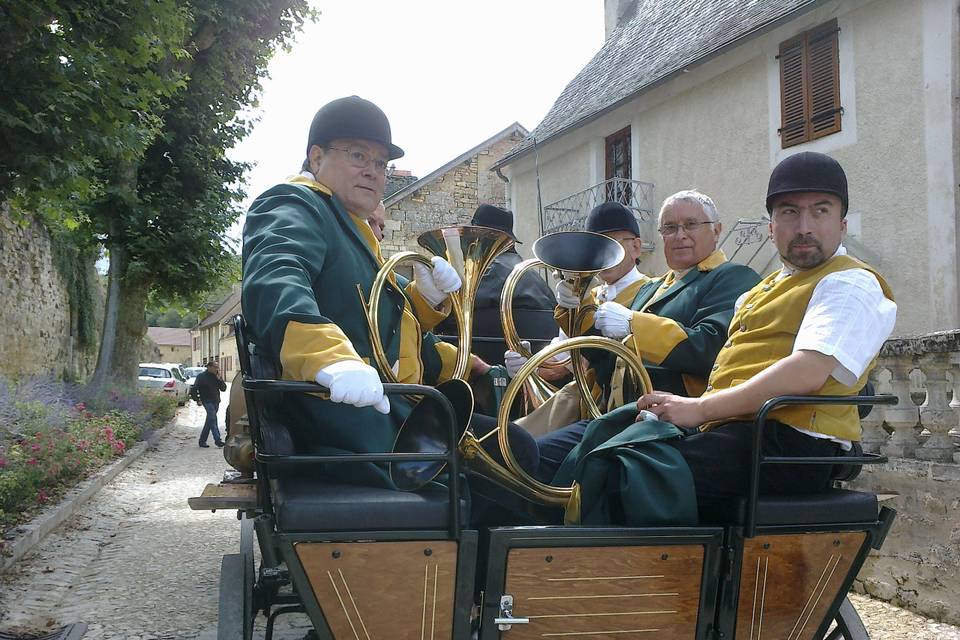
(506, 619)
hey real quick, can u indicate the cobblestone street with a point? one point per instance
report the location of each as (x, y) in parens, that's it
(137, 563)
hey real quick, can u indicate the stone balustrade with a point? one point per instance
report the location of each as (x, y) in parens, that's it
(926, 367)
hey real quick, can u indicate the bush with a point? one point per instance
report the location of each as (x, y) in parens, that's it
(52, 435)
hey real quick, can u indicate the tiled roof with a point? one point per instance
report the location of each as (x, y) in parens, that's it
(663, 38)
(230, 305)
(169, 337)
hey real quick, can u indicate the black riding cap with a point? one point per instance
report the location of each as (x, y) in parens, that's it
(493, 217)
(352, 117)
(805, 172)
(612, 216)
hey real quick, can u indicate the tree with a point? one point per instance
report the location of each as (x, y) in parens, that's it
(171, 235)
(83, 85)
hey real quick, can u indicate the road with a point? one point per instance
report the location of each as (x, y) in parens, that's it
(137, 563)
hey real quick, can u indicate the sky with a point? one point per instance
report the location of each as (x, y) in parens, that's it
(448, 74)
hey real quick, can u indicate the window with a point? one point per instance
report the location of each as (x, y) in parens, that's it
(618, 166)
(810, 85)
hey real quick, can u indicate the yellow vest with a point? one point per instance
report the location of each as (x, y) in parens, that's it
(764, 330)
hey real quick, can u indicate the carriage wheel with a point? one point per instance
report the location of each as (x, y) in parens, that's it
(847, 624)
(235, 614)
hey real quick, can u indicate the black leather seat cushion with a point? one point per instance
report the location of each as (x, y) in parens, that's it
(303, 504)
(830, 507)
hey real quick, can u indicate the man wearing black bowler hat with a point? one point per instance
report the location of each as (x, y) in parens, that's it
(307, 249)
(533, 301)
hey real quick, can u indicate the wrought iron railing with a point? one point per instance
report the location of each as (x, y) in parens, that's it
(570, 213)
(747, 243)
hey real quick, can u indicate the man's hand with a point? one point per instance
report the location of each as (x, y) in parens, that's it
(514, 361)
(612, 319)
(677, 410)
(565, 296)
(356, 383)
(436, 283)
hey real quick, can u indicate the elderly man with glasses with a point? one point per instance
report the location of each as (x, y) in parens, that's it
(307, 249)
(676, 323)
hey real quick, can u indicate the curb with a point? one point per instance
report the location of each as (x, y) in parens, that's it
(38, 528)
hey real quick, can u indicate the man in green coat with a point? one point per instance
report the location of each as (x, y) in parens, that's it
(309, 261)
(676, 323)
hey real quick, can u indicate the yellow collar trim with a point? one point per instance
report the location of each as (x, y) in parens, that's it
(712, 261)
(312, 184)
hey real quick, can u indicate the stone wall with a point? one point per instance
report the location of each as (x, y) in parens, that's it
(448, 199)
(37, 330)
(918, 567)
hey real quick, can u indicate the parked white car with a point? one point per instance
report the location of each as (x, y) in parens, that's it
(165, 378)
(191, 374)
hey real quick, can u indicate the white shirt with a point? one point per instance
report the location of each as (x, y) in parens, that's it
(848, 317)
(610, 292)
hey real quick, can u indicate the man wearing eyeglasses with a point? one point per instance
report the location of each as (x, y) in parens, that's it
(676, 323)
(307, 249)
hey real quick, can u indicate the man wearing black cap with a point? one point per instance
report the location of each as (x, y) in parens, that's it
(813, 327)
(306, 249)
(533, 301)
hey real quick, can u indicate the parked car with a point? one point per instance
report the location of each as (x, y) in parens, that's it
(165, 378)
(191, 373)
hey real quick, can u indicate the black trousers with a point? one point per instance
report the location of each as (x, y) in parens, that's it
(720, 459)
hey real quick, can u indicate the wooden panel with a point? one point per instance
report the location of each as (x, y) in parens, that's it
(376, 590)
(793, 94)
(225, 496)
(605, 592)
(824, 66)
(788, 582)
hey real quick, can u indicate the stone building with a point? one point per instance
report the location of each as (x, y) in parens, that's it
(173, 344)
(712, 94)
(213, 338)
(450, 194)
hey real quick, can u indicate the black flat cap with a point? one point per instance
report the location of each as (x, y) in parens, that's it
(612, 216)
(805, 172)
(352, 117)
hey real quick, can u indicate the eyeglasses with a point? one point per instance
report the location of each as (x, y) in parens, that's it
(361, 159)
(690, 226)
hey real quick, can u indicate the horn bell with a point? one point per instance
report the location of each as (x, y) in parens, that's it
(426, 431)
(581, 252)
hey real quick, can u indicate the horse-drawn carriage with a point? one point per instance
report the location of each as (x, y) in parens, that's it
(366, 562)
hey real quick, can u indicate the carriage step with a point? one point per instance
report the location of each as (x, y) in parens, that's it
(70, 632)
(225, 496)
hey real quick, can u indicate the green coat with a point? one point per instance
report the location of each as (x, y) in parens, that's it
(628, 474)
(303, 257)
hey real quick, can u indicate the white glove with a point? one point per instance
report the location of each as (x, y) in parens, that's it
(613, 320)
(355, 383)
(437, 283)
(565, 296)
(514, 361)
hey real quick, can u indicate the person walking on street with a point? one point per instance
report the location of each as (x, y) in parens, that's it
(206, 391)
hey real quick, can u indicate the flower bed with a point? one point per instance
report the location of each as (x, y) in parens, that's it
(53, 435)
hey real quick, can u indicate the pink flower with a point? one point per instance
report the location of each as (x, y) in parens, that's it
(35, 448)
(80, 406)
(32, 461)
(3, 463)
(41, 496)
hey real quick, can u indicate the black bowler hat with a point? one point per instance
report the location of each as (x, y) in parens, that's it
(808, 171)
(488, 215)
(612, 216)
(352, 117)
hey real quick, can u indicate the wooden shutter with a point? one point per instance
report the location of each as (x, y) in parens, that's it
(810, 85)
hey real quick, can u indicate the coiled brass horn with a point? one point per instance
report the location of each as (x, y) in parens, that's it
(470, 250)
(578, 256)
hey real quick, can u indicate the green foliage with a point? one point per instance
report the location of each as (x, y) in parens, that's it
(83, 84)
(74, 257)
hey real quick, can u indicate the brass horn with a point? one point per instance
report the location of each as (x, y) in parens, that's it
(578, 256)
(470, 250)
(423, 433)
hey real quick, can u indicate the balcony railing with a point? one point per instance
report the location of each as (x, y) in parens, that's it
(570, 213)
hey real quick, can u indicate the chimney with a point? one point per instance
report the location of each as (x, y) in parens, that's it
(615, 13)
